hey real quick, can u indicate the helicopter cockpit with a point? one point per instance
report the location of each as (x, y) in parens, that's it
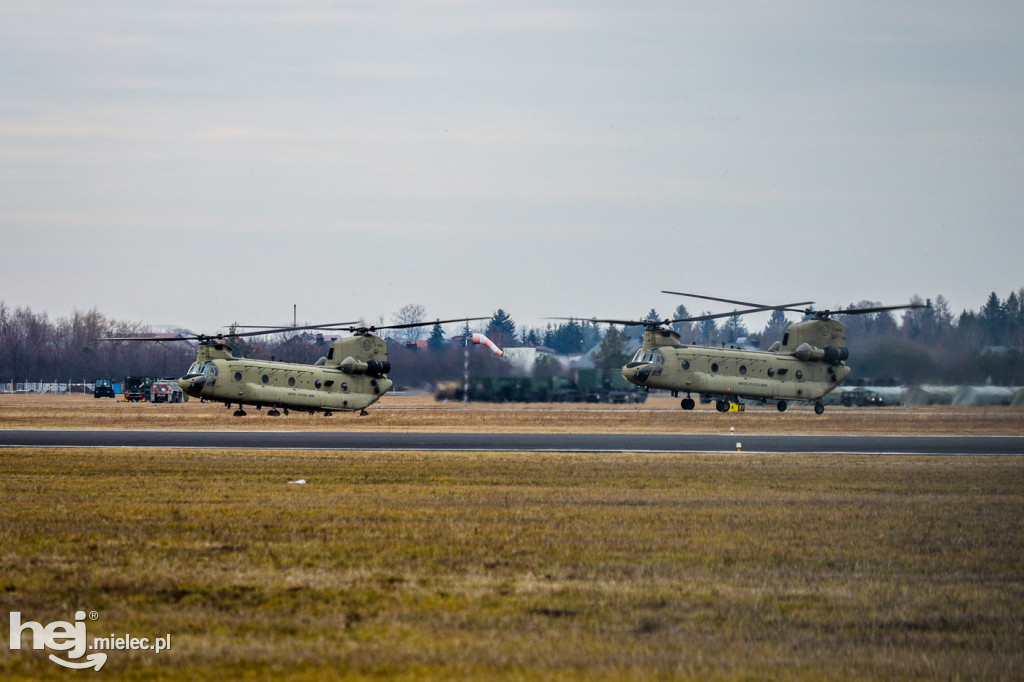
(203, 370)
(645, 363)
(648, 355)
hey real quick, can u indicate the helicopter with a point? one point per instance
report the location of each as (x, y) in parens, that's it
(352, 376)
(808, 363)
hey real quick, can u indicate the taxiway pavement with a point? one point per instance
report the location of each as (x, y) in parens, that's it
(518, 442)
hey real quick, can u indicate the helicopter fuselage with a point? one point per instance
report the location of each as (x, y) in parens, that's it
(333, 384)
(798, 370)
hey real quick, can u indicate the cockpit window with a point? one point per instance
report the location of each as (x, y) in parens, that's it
(207, 369)
(648, 355)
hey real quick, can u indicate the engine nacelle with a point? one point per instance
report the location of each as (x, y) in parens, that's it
(834, 355)
(374, 368)
(806, 352)
(830, 354)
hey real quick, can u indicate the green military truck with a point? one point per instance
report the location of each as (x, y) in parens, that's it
(137, 389)
(103, 388)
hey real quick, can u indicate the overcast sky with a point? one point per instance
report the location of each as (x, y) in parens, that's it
(198, 163)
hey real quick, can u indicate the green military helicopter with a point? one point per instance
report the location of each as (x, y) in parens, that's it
(352, 376)
(805, 365)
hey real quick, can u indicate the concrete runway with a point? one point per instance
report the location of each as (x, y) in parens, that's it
(518, 442)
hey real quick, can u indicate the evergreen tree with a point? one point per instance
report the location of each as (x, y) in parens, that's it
(707, 331)
(685, 329)
(993, 320)
(569, 337)
(775, 329)
(613, 352)
(733, 329)
(501, 329)
(1013, 313)
(530, 338)
(436, 340)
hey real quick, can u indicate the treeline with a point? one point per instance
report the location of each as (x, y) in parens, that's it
(908, 347)
(34, 348)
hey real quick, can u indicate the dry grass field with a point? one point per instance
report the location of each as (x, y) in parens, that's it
(515, 565)
(423, 413)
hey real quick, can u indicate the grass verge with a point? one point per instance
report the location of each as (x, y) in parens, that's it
(519, 566)
(660, 414)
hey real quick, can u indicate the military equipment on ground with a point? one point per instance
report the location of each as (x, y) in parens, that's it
(166, 391)
(352, 376)
(861, 397)
(806, 364)
(136, 389)
(586, 388)
(103, 388)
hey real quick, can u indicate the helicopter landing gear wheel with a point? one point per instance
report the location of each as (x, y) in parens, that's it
(781, 406)
(273, 413)
(328, 413)
(819, 408)
(722, 405)
(240, 412)
(688, 404)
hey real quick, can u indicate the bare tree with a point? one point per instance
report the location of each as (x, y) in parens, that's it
(414, 313)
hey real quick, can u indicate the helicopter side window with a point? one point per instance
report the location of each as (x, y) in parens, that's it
(658, 358)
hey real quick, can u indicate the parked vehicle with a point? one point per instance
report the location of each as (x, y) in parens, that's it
(589, 388)
(165, 391)
(136, 389)
(103, 388)
(860, 397)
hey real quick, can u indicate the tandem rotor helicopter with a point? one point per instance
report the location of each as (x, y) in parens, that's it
(808, 363)
(352, 376)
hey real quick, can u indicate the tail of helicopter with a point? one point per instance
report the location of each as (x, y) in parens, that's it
(360, 354)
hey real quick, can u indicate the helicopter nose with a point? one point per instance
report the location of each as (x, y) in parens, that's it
(192, 385)
(637, 372)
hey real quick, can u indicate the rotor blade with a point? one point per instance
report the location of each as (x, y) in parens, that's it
(658, 323)
(759, 306)
(158, 339)
(874, 309)
(271, 329)
(625, 323)
(409, 325)
(716, 316)
(749, 311)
